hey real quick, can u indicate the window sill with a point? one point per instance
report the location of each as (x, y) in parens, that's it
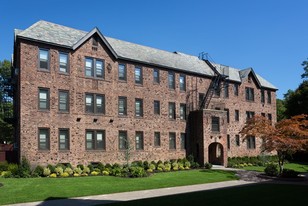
(64, 73)
(64, 151)
(122, 116)
(94, 78)
(43, 70)
(122, 81)
(95, 150)
(44, 150)
(44, 110)
(156, 83)
(138, 84)
(63, 112)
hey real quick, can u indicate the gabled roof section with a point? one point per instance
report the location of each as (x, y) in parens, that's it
(260, 80)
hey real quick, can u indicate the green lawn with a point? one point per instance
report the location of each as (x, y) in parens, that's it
(252, 195)
(299, 167)
(35, 189)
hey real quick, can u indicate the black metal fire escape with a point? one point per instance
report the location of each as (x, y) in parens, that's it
(215, 82)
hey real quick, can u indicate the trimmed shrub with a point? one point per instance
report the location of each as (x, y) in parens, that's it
(64, 174)
(271, 170)
(59, 170)
(175, 166)
(38, 171)
(149, 170)
(207, 165)
(4, 166)
(289, 173)
(160, 167)
(78, 171)
(61, 165)
(13, 168)
(167, 167)
(6, 174)
(46, 172)
(146, 165)
(100, 166)
(86, 170)
(69, 170)
(91, 167)
(95, 173)
(80, 166)
(105, 172)
(51, 168)
(187, 164)
(152, 166)
(137, 172)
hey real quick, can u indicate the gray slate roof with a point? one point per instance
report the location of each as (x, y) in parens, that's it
(63, 36)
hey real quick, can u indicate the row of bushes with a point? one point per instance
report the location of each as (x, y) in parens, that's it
(262, 160)
(135, 169)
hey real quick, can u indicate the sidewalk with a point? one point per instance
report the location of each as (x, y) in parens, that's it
(126, 196)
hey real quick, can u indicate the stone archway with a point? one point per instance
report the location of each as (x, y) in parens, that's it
(216, 154)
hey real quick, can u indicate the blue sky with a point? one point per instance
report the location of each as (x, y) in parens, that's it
(271, 36)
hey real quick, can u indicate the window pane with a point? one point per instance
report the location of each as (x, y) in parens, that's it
(183, 141)
(89, 140)
(138, 108)
(156, 75)
(100, 104)
(183, 111)
(63, 61)
(63, 101)
(172, 110)
(215, 124)
(172, 144)
(43, 99)
(182, 82)
(100, 140)
(171, 80)
(157, 139)
(89, 103)
(63, 139)
(139, 140)
(99, 69)
(138, 75)
(89, 67)
(156, 107)
(122, 105)
(43, 59)
(43, 139)
(122, 72)
(122, 140)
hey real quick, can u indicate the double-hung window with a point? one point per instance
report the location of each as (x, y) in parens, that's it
(251, 142)
(157, 139)
(172, 141)
(156, 107)
(63, 62)
(43, 99)
(44, 59)
(123, 141)
(171, 80)
(94, 68)
(182, 82)
(63, 139)
(95, 140)
(122, 72)
(63, 101)
(156, 76)
(139, 140)
(43, 138)
(95, 103)
(171, 110)
(215, 124)
(183, 111)
(138, 75)
(249, 94)
(122, 106)
(138, 107)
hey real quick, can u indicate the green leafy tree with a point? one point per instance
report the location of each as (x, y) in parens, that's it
(281, 109)
(6, 103)
(305, 65)
(296, 102)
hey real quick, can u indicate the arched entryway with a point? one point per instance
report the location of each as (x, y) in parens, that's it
(216, 154)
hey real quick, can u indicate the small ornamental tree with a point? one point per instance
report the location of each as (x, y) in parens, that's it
(285, 137)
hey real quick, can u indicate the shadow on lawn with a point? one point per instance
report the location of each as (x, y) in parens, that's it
(57, 201)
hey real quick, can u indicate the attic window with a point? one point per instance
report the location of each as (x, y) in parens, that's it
(94, 43)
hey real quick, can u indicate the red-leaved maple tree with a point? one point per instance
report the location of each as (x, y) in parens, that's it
(285, 137)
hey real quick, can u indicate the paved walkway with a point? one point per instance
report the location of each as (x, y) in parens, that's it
(246, 177)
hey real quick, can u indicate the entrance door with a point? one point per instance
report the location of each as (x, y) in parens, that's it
(216, 154)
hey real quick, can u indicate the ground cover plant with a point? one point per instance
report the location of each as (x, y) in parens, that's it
(16, 190)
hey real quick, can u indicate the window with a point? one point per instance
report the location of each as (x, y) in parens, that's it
(63, 101)
(43, 138)
(269, 97)
(95, 41)
(237, 115)
(228, 115)
(235, 89)
(139, 140)
(156, 76)
(95, 103)
(43, 99)
(157, 139)
(251, 142)
(63, 139)
(122, 106)
(95, 140)
(262, 96)
(237, 140)
(94, 68)
(201, 97)
(183, 141)
(263, 114)
(215, 124)
(44, 59)
(183, 111)
(182, 82)
(171, 110)
(172, 142)
(138, 75)
(122, 72)
(63, 62)
(249, 94)
(138, 107)
(226, 90)
(269, 117)
(171, 80)
(249, 114)
(228, 141)
(123, 141)
(156, 107)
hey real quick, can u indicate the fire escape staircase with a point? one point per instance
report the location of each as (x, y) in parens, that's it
(214, 85)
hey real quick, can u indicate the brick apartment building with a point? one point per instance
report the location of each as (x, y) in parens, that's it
(81, 97)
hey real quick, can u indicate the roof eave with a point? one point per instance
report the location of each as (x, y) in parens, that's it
(44, 42)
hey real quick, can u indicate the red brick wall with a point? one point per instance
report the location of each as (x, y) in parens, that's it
(31, 118)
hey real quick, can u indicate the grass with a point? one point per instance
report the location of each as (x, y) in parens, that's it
(299, 167)
(252, 195)
(38, 189)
